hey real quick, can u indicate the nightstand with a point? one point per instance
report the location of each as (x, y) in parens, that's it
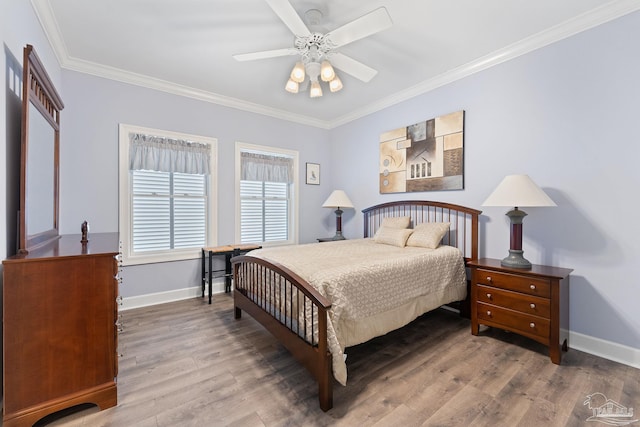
(532, 302)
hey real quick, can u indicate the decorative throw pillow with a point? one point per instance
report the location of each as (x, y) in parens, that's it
(396, 222)
(428, 234)
(392, 236)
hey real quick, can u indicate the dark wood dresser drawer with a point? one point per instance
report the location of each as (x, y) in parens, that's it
(60, 335)
(515, 321)
(529, 285)
(533, 302)
(524, 303)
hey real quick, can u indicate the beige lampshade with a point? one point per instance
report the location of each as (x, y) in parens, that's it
(338, 199)
(518, 191)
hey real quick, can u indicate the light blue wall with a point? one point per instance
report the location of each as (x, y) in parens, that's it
(567, 115)
(89, 155)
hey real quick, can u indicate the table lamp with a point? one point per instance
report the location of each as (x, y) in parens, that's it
(338, 199)
(517, 191)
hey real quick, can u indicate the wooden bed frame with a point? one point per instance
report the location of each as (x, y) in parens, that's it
(255, 278)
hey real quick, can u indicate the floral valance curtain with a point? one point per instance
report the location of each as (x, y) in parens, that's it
(265, 167)
(161, 154)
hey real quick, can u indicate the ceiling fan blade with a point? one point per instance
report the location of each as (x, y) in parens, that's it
(289, 16)
(351, 66)
(371, 23)
(265, 54)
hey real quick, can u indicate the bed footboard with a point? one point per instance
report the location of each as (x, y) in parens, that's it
(292, 310)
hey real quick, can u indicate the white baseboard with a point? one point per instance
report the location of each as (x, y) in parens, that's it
(605, 349)
(146, 300)
(596, 346)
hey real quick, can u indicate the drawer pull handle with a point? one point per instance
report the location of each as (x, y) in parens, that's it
(489, 279)
(489, 296)
(532, 325)
(532, 305)
(489, 313)
(532, 287)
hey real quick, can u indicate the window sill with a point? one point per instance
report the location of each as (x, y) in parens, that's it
(160, 257)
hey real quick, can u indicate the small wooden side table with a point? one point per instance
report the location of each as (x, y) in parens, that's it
(228, 251)
(531, 302)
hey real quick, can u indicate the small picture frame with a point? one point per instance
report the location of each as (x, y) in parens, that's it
(313, 174)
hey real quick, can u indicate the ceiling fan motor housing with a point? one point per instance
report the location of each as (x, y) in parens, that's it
(314, 47)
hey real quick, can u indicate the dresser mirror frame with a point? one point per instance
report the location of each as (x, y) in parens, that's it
(39, 156)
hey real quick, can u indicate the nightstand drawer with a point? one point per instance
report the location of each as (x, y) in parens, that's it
(514, 321)
(533, 302)
(527, 285)
(528, 304)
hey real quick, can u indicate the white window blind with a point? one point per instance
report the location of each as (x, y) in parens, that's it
(264, 211)
(169, 210)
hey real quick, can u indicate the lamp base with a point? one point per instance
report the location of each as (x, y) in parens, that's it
(338, 236)
(515, 260)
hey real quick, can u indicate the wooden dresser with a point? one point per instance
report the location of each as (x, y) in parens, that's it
(59, 328)
(532, 302)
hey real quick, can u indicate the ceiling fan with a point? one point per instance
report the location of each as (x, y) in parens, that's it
(317, 51)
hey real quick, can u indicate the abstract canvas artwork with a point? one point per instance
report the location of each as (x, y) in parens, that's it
(426, 156)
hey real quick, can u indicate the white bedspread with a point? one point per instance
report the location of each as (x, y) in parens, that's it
(373, 288)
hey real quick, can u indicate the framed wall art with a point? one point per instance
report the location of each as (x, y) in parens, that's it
(426, 156)
(313, 173)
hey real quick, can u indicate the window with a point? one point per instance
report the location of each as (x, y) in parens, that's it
(169, 210)
(167, 194)
(266, 187)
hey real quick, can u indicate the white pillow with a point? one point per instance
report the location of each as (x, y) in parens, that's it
(393, 236)
(428, 234)
(396, 222)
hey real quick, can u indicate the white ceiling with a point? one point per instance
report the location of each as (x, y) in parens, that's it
(186, 46)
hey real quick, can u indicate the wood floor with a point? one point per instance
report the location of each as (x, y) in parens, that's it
(192, 364)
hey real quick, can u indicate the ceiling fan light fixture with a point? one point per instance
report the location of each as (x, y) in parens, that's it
(316, 48)
(335, 84)
(298, 74)
(326, 71)
(316, 90)
(292, 86)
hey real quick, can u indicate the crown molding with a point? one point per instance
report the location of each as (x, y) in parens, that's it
(45, 15)
(128, 77)
(588, 20)
(49, 24)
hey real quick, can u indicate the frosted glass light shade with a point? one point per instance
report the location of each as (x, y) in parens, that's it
(292, 86)
(315, 90)
(338, 199)
(326, 71)
(518, 191)
(298, 73)
(335, 84)
(314, 72)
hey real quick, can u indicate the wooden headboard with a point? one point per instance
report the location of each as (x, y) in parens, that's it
(462, 234)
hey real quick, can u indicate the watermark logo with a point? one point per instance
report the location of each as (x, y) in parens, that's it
(608, 411)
